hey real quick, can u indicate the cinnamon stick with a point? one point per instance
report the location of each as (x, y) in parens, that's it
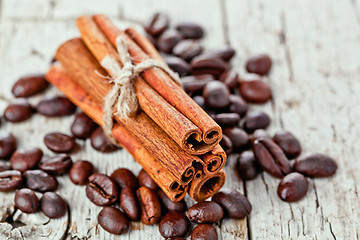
(214, 160)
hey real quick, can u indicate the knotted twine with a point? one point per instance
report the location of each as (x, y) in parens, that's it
(123, 93)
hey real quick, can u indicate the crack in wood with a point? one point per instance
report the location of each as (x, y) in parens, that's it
(331, 231)
(224, 23)
(283, 41)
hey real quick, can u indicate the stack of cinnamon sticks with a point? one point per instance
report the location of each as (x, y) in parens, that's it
(171, 137)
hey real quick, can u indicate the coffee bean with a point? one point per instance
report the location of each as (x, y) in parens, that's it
(4, 165)
(125, 178)
(7, 144)
(26, 200)
(195, 84)
(271, 158)
(202, 65)
(200, 101)
(40, 181)
(53, 206)
(10, 180)
(18, 111)
(288, 143)
(158, 23)
(145, 180)
(150, 205)
(113, 221)
(260, 133)
(238, 137)
(129, 203)
(100, 142)
(292, 187)
(247, 165)
(102, 190)
(256, 120)
(225, 54)
(234, 204)
(26, 158)
(315, 165)
(226, 144)
(187, 49)
(237, 105)
(254, 89)
(29, 86)
(80, 171)
(190, 30)
(227, 119)
(230, 78)
(260, 64)
(205, 212)
(204, 232)
(59, 142)
(83, 126)
(57, 165)
(169, 205)
(168, 40)
(216, 94)
(55, 107)
(177, 65)
(174, 224)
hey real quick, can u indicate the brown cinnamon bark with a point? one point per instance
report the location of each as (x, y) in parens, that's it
(214, 160)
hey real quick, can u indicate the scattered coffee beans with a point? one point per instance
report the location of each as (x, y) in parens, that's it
(55, 107)
(253, 89)
(158, 23)
(83, 126)
(168, 205)
(4, 165)
(190, 30)
(315, 165)
(247, 165)
(57, 165)
(7, 144)
(288, 143)
(260, 64)
(26, 200)
(125, 178)
(168, 40)
(52, 205)
(226, 144)
(129, 203)
(29, 86)
(293, 187)
(100, 142)
(150, 205)
(145, 180)
(237, 105)
(174, 224)
(239, 138)
(18, 111)
(204, 232)
(80, 171)
(216, 94)
(187, 49)
(40, 181)
(205, 212)
(177, 65)
(256, 120)
(230, 78)
(102, 190)
(202, 65)
(227, 119)
(25, 159)
(59, 142)
(10, 180)
(113, 220)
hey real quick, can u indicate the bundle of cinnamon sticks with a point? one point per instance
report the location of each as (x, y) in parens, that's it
(171, 137)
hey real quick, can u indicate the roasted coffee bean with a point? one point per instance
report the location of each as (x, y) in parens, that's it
(174, 224)
(26, 158)
(247, 165)
(201, 65)
(18, 111)
(80, 171)
(195, 84)
(260, 133)
(4, 165)
(234, 204)
(239, 138)
(204, 232)
(40, 181)
(113, 221)
(83, 126)
(227, 119)
(256, 120)
(53, 206)
(102, 190)
(55, 107)
(168, 40)
(225, 53)
(129, 203)
(271, 158)
(57, 165)
(10, 180)
(158, 23)
(177, 65)
(260, 64)
(29, 86)
(230, 78)
(26, 200)
(205, 212)
(226, 144)
(254, 89)
(187, 49)
(190, 30)
(100, 142)
(292, 187)
(145, 180)
(59, 142)
(200, 101)
(125, 178)
(150, 205)
(315, 165)
(216, 94)
(288, 143)
(237, 105)
(168, 205)
(7, 144)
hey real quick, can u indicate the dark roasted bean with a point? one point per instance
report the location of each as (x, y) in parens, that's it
(225, 53)
(18, 111)
(102, 190)
(26, 158)
(205, 212)
(113, 221)
(200, 101)
(4, 165)
(237, 105)
(26, 200)
(187, 49)
(59, 142)
(83, 126)
(271, 158)
(169, 205)
(216, 94)
(288, 143)
(55, 107)
(58, 164)
(254, 89)
(260, 64)
(201, 65)
(195, 84)
(247, 165)
(293, 187)
(29, 86)
(80, 171)
(260, 133)
(177, 65)
(230, 78)
(239, 138)
(204, 232)
(7, 144)
(174, 224)
(40, 181)
(129, 203)
(150, 206)
(256, 120)
(10, 180)
(234, 204)
(227, 119)
(190, 30)
(100, 142)
(226, 144)
(315, 165)
(125, 178)
(53, 206)
(168, 40)
(145, 180)
(158, 23)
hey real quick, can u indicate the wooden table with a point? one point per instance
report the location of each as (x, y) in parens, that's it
(315, 81)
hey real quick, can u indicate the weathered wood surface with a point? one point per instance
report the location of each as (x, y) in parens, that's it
(316, 49)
